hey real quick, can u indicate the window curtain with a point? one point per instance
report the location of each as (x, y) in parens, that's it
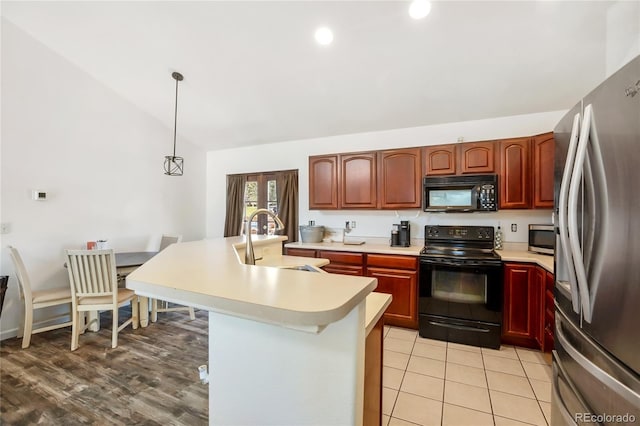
(287, 187)
(235, 205)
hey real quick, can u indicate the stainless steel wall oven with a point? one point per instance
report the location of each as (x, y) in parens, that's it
(460, 294)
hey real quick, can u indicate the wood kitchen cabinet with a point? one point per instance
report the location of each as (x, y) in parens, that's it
(477, 157)
(323, 182)
(342, 262)
(397, 275)
(459, 159)
(357, 181)
(399, 178)
(515, 173)
(439, 160)
(543, 147)
(292, 251)
(549, 313)
(523, 290)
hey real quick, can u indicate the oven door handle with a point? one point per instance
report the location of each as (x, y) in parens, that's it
(458, 264)
(459, 327)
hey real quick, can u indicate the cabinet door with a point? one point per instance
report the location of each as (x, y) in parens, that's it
(521, 320)
(399, 178)
(439, 160)
(477, 158)
(358, 186)
(543, 157)
(515, 172)
(323, 182)
(402, 285)
(549, 316)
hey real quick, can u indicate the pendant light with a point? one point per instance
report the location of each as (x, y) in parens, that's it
(173, 165)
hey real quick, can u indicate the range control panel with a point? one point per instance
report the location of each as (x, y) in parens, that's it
(487, 197)
(459, 233)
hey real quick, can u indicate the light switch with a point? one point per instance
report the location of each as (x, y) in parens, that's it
(38, 195)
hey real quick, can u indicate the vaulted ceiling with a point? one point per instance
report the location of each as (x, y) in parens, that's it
(254, 73)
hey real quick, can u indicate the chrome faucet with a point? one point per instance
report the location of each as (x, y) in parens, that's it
(249, 257)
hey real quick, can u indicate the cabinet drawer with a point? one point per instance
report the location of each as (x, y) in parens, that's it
(347, 258)
(344, 269)
(392, 261)
(300, 252)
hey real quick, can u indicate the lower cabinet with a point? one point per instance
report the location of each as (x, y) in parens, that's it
(522, 299)
(342, 262)
(549, 314)
(528, 306)
(398, 276)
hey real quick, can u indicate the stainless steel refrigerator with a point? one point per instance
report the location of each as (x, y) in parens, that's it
(596, 361)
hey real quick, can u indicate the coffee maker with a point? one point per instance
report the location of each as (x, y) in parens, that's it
(401, 234)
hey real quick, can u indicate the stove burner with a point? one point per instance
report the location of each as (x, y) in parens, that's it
(459, 243)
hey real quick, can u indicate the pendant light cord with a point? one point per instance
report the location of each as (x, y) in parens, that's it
(175, 120)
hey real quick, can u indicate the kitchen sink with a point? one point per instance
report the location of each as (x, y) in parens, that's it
(307, 268)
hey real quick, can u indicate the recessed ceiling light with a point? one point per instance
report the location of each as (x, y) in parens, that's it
(324, 36)
(419, 9)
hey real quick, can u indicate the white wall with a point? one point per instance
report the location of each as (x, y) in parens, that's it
(98, 157)
(294, 155)
(623, 34)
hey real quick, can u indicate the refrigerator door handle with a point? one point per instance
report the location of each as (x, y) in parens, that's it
(610, 382)
(587, 133)
(563, 213)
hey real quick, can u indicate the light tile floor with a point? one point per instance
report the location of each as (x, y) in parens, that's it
(429, 382)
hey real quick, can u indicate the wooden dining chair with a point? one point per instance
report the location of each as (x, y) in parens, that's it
(37, 300)
(94, 287)
(161, 305)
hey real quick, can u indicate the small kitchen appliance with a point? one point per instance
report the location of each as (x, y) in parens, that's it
(456, 194)
(401, 234)
(542, 239)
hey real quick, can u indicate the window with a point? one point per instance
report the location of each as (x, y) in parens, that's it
(260, 192)
(248, 192)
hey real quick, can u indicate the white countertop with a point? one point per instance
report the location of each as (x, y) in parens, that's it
(514, 252)
(377, 303)
(206, 274)
(367, 247)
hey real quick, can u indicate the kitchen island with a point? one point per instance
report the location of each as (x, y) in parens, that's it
(285, 346)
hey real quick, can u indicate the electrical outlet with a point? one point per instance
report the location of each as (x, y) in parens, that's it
(514, 227)
(5, 228)
(353, 224)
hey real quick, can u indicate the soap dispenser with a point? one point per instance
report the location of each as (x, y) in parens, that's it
(498, 239)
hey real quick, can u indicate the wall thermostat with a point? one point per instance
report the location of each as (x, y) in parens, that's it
(38, 195)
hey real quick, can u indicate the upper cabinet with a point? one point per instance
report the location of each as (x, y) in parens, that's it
(515, 171)
(464, 158)
(392, 179)
(323, 182)
(543, 162)
(357, 180)
(477, 157)
(399, 179)
(439, 160)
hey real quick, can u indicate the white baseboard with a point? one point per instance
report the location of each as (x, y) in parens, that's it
(8, 334)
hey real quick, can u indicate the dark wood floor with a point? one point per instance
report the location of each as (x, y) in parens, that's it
(151, 378)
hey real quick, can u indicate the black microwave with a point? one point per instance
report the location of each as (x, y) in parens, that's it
(460, 193)
(542, 239)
